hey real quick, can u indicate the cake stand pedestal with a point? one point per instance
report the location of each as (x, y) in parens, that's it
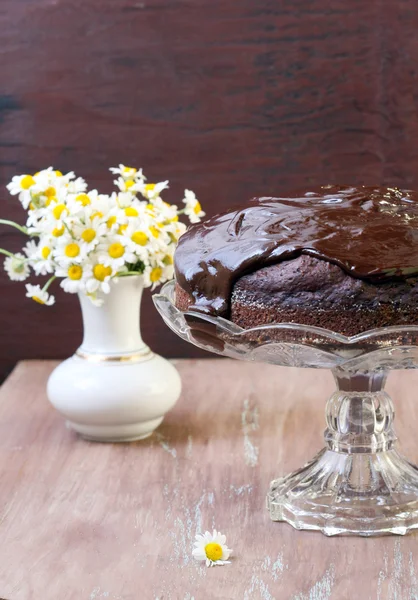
(358, 484)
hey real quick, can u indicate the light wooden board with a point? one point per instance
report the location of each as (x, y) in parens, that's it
(88, 521)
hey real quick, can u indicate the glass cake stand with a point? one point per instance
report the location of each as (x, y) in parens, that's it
(358, 484)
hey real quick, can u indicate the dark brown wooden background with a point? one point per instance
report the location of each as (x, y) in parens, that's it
(231, 98)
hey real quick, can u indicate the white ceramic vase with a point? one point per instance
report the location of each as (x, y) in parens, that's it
(114, 389)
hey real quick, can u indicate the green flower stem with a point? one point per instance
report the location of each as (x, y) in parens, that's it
(128, 273)
(48, 283)
(13, 224)
(6, 252)
(69, 230)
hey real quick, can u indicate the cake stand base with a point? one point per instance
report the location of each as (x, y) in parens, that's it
(358, 484)
(357, 494)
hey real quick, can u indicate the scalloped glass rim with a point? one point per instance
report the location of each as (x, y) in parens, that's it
(168, 290)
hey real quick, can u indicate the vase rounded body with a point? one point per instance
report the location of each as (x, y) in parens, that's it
(114, 388)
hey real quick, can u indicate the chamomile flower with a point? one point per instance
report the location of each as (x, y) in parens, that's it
(20, 185)
(139, 239)
(150, 190)
(98, 277)
(39, 295)
(156, 273)
(81, 203)
(70, 250)
(41, 255)
(73, 278)
(211, 548)
(125, 185)
(193, 208)
(52, 216)
(89, 232)
(16, 266)
(127, 172)
(114, 252)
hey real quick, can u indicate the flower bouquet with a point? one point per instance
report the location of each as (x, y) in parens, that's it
(113, 388)
(88, 239)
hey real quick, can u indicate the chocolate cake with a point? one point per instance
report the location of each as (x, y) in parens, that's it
(340, 257)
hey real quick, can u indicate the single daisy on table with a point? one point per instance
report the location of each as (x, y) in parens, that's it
(211, 548)
(39, 295)
(16, 267)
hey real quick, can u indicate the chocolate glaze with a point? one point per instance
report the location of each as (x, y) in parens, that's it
(370, 232)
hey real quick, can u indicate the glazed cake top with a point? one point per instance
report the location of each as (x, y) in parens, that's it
(370, 232)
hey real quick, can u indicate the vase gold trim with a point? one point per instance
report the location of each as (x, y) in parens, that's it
(140, 356)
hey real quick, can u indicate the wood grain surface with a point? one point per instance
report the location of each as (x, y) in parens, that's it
(88, 521)
(231, 98)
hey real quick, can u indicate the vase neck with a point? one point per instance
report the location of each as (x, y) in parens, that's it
(114, 327)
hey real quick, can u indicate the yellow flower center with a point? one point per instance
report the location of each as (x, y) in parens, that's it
(58, 210)
(111, 221)
(197, 208)
(116, 250)
(129, 183)
(75, 272)
(149, 187)
(168, 260)
(97, 214)
(72, 250)
(45, 252)
(50, 192)
(19, 267)
(38, 300)
(129, 170)
(100, 272)
(26, 182)
(88, 235)
(155, 274)
(32, 206)
(139, 237)
(58, 173)
(155, 232)
(213, 551)
(83, 199)
(150, 208)
(122, 228)
(58, 231)
(131, 212)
